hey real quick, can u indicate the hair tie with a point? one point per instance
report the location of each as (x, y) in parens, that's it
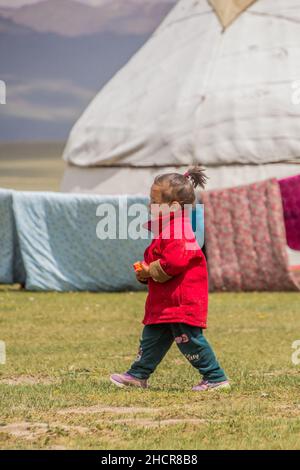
(186, 174)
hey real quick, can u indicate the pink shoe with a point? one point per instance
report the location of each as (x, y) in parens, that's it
(206, 385)
(126, 380)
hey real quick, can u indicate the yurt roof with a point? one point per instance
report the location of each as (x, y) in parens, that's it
(195, 93)
(229, 10)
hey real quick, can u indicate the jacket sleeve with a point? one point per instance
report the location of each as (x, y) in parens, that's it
(174, 259)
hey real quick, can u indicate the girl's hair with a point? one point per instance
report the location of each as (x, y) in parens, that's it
(181, 188)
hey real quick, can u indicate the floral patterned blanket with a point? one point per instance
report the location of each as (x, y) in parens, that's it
(245, 239)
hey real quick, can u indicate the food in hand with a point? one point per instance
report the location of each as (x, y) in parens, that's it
(138, 266)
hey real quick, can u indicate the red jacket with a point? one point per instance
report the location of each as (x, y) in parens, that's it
(178, 287)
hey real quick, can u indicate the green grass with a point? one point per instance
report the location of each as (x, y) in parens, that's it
(61, 348)
(35, 166)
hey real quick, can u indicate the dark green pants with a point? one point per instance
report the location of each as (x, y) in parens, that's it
(156, 341)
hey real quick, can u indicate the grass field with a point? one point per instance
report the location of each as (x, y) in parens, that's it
(31, 166)
(61, 348)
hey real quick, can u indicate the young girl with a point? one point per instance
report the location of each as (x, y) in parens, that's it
(175, 270)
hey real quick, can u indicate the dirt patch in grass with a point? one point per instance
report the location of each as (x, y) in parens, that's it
(288, 410)
(57, 448)
(107, 409)
(282, 373)
(276, 373)
(32, 431)
(27, 380)
(25, 430)
(148, 423)
(134, 421)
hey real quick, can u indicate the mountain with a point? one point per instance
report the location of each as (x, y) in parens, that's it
(72, 18)
(9, 27)
(57, 54)
(51, 78)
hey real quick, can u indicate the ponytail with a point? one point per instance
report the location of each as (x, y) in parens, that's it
(197, 176)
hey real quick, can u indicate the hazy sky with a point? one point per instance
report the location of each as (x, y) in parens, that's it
(17, 3)
(48, 89)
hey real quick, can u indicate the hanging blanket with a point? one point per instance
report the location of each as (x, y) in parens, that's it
(49, 241)
(11, 263)
(290, 192)
(245, 239)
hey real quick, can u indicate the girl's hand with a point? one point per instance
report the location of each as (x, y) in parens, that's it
(143, 274)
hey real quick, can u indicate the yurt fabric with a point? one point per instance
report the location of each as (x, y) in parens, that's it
(246, 239)
(197, 93)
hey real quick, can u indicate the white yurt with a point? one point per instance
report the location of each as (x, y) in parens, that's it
(216, 84)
